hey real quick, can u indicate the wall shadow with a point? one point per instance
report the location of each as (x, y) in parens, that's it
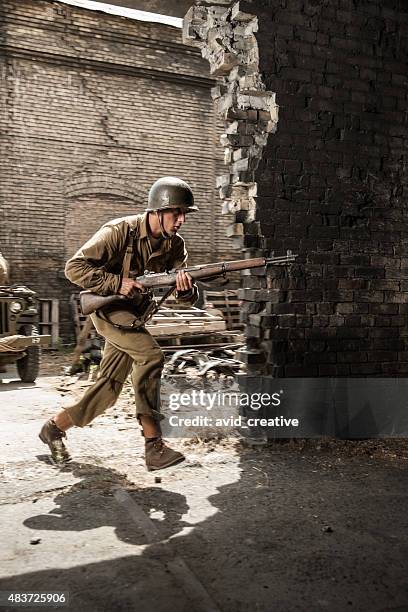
(295, 532)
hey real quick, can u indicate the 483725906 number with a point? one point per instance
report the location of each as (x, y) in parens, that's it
(20, 599)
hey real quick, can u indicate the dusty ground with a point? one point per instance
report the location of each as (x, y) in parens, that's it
(315, 525)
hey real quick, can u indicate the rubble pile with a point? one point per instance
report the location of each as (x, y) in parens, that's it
(226, 36)
(216, 364)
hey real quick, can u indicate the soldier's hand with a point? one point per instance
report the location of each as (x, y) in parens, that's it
(184, 282)
(130, 287)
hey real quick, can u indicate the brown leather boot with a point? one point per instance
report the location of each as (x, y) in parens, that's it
(52, 435)
(159, 456)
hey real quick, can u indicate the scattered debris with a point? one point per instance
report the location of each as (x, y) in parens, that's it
(195, 362)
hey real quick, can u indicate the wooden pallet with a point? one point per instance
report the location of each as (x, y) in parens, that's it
(228, 303)
(201, 341)
(184, 321)
(169, 322)
(49, 320)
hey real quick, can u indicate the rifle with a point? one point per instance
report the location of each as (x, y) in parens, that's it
(91, 302)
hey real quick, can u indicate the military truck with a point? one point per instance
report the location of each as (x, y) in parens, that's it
(20, 341)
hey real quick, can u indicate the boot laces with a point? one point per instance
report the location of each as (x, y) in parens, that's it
(160, 445)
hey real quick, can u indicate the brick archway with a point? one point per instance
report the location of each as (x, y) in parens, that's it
(88, 183)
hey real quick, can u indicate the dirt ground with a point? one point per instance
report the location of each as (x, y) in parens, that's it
(301, 525)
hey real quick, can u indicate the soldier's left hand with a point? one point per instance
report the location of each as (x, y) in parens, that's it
(184, 282)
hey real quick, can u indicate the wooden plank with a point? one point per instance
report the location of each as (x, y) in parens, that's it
(177, 329)
(159, 320)
(175, 326)
(226, 301)
(182, 322)
(55, 323)
(49, 319)
(201, 340)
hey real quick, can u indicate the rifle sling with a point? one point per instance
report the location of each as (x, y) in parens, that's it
(138, 322)
(126, 268)
(128, 254)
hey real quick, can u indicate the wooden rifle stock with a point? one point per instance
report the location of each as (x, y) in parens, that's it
(90, 302)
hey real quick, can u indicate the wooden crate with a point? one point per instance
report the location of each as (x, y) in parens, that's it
(228, 303)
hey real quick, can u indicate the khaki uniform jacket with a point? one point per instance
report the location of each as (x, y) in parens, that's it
(98, 265)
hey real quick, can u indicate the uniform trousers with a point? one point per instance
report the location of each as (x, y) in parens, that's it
(125, 352)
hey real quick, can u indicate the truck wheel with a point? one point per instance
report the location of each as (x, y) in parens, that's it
(29, 365)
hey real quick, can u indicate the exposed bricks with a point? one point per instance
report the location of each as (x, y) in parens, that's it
(226, 36)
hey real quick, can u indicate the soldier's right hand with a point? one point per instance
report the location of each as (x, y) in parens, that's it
(130, 287)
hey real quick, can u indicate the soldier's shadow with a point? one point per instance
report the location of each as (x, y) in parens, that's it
(117, 578)
(93, 502)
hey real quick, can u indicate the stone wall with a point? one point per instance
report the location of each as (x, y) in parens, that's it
(97, 107)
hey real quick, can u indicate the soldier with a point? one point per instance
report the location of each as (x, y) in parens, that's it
(149, 241)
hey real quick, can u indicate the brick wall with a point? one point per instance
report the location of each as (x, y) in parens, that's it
(97, 107)
(332, 186)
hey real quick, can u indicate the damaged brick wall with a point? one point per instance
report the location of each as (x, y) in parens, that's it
(97, 108)
(332, 182)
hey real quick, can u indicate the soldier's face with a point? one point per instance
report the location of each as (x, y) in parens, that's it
(173, 219)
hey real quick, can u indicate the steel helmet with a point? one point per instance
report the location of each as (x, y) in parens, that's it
(170, 192)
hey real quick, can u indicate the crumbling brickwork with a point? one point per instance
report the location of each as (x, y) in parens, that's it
(97, 107)
(331, 184)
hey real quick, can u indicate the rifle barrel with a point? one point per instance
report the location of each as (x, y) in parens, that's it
(207, 271)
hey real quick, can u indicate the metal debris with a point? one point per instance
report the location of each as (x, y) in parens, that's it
(200, 363)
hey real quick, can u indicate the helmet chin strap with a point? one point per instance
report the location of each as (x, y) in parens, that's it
(164, 234)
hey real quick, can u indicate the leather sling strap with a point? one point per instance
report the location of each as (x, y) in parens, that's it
(126, 268)
(128, 254)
